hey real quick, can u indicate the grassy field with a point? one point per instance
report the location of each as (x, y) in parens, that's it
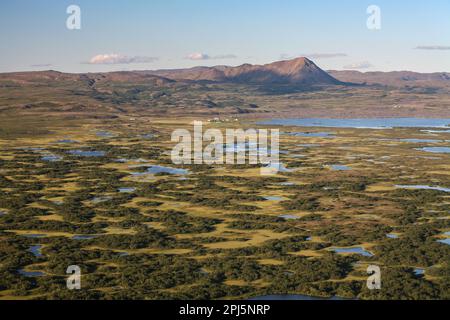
(211, 233)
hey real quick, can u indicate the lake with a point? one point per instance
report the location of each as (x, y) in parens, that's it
(374, 123)
(339, 167)
(273, 198)
(435, 149)
(392, 236)
(423, 187)
(51, 158)
(83, 237)
(83, 153)
(31, 274)
(355, 250)
(36, 250)
(313, 134)
(289, 217)
(162, 169)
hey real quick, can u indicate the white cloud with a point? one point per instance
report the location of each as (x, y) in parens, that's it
(359, 65)
(198, 56)
(433, 48)
(114, 58)
(204, 56)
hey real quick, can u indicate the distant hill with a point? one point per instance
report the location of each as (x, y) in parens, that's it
(50, 76)
(394, 78)
(300, 71)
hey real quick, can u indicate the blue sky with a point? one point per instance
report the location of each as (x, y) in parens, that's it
(155, 34)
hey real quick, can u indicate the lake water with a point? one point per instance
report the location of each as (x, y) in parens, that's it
(447, 240)
(283, 297)
(374, 123)
(308, 145)
(51, 158)
(423, 187)
(83, 237)
(273, 198)
(83, 153)
(289, 217)
(420, 140)
(419, 271)
(127, 190)
(63, 141)
(31, 274)
(392, 236)
(101, 199)
(36, 250)
(148, 135)
(436, 131)
(356, 250)
(339, 167)
(313, 134)
(162, 169)
(34, 235)
(435, 149)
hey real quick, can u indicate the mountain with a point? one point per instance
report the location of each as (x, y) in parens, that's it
(394, 78)
(300, 71)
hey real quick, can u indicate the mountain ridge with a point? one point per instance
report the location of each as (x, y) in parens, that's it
(299, 71)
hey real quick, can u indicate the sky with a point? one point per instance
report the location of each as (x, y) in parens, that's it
(165, 34)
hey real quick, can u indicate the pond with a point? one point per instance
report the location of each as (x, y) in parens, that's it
(286, 184)
(83, 237)
(289, 217)
(308, 145)
(127, 190)
(392, 236)
(313, 134)
(374, 123)
(100, 199)
(51, 158)
(353, 250)
(423, 187)
(31, 274)
(85, 153)
(63, 141)
(162, 169)
(148, 135)
(34, 235)
(436, 131)
(435, 149)
(273, 198)
(419, 271)
(36, 250)
(420, 140)
(339, 167)
(447, 240)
